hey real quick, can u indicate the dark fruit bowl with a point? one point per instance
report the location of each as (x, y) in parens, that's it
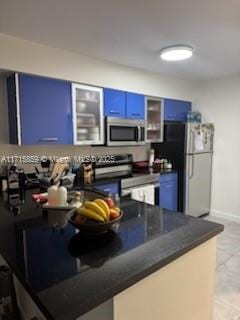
(92, 227)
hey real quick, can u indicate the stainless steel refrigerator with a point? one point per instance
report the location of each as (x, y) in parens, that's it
(198, 168)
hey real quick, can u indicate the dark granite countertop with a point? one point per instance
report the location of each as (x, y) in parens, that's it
(67, 275)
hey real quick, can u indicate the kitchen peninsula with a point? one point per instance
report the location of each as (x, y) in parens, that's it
(152, 258)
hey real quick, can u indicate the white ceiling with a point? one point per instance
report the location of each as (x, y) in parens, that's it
(131, 32)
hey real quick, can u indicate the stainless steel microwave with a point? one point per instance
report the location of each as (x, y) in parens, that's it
(125, 132)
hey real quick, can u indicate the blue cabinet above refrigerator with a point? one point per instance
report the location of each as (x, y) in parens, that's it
(176, 110)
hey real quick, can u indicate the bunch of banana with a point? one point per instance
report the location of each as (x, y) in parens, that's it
(96, 210)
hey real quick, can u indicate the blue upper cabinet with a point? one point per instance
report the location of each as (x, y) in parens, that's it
(135, 106)
(123, 104)
(176, 110)
(44, 110)
(114, 103)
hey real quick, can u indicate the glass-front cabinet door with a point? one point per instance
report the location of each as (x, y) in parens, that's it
(88, 120)
(154, 119)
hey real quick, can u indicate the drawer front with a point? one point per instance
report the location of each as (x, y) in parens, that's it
(110, 188)
(114, 103)
(135, 106)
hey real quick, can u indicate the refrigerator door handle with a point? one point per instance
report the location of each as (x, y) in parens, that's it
(192, 167)
(192, 136)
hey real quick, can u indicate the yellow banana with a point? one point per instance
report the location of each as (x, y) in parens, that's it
(89, 214)
(96, 208)
(104, 206)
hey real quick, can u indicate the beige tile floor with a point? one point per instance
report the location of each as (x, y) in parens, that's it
(227, 283)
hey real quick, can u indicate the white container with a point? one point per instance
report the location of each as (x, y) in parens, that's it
(82, 137)
(94, 130)
(52, 195)
(61, 196)
(151, 158)
(93, 136)
(80, 121)
(82, 131)
(80, 106)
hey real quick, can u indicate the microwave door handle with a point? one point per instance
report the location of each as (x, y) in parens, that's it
(139, 133)
(136, 133)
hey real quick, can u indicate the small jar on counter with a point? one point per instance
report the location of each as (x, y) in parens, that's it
(168, 165)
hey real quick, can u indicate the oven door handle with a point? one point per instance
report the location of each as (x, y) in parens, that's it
(126, 192)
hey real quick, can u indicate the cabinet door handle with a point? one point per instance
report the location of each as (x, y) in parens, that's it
(49, 139)
(192, 167)
(136, 114)
(114, 112)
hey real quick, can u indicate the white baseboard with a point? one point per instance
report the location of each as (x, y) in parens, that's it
(225, 215)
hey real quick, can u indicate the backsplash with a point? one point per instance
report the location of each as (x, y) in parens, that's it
(139, 152)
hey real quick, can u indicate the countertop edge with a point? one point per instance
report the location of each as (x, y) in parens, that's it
(150, 270)
(109, 294)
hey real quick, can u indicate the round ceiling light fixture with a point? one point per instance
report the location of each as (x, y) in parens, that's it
(176, 53)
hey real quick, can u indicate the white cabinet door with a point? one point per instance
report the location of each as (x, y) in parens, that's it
(154, 119)
(88, 119)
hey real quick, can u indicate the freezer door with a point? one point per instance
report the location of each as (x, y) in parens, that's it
(198, 184)
(199, 138)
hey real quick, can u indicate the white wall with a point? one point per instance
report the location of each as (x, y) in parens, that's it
(20, 55)
(219, 102)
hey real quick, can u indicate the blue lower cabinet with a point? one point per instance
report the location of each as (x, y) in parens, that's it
(135, 106)
(168, 195)
(45, 255)
(109, 188)
(176, 110)
(114, 103)
(133, 234)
